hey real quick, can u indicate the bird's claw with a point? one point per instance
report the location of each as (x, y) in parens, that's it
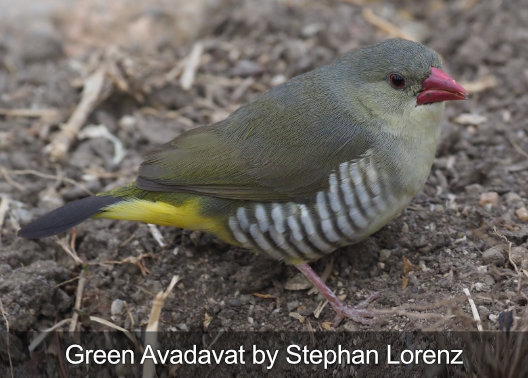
(357, 313)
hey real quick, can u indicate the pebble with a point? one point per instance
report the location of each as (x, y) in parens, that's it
(489, 199)
(117, 307)
(292, 305)
(512, 198)
(234, 302)
(277, 80)
(522, 214)
(483, 312)
(350, 327)
(473, 189)
(297, 282)
(245, 299)
(384, 255)
(493, 255)
(245, 68)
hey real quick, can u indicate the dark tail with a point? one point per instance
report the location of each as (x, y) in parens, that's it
(66, 217)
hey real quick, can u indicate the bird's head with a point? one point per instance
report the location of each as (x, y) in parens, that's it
(398, 77)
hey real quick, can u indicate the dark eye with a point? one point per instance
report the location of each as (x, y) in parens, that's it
(397, 81)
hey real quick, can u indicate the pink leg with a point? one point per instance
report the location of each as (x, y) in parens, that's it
(358, 313)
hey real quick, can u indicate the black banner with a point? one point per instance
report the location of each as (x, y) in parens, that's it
(224, 353)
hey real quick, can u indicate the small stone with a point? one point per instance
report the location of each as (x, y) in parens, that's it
(483, 312)
(350, 327)
(278, 80)
(493, 255)
(234, 302)
(518, 255)
(489, 199)
(291, 306)
(297, 282)
(512, 198)
(245, 299)
(473, 190)
(182, 326)
(522, 214)
(127, 122)
(117, 307)
(384, 255)
(245, 68)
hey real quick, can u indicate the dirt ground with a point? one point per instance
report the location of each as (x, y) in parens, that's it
(467, 229)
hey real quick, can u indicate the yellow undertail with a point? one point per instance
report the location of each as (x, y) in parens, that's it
(186, 216)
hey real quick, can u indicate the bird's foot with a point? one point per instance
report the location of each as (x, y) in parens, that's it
(357, 313)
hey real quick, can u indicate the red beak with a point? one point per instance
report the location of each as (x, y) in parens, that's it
(439, 86)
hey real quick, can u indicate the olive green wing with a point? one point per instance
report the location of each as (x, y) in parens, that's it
(282, 146)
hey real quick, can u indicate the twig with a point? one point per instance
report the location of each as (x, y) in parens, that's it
(130, 316)
(78, 300)
(101, 131)
(474, 310)
(509, 248)
(4, 315)
(131, 260)
(385, 25)
(153, 324)
(4, 205)
(156, 234)
(191, 66)
(91, 95)
(107, 323)
(296, 315)
(519, 272)
(319, 308)
(59, 357)
(73, 238)
(310, 329)
(66, 282)
(264, 296)
(518, 148)
(46, 114)
(157, 305)
(42, 335)
(6, 172)
(9, 180)
(71, 252)
(217, 337)
(480, 85)
(412, 315)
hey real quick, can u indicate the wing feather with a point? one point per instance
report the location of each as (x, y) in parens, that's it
(281, 146)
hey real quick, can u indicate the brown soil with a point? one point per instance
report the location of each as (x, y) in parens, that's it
(448, 239)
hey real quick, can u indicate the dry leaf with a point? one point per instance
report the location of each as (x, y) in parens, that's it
(408, 266)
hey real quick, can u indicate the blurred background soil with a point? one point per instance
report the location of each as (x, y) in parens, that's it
(153, 69)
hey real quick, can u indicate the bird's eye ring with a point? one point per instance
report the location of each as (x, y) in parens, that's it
(397, 81)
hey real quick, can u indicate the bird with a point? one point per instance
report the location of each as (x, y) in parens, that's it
(314, 164)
